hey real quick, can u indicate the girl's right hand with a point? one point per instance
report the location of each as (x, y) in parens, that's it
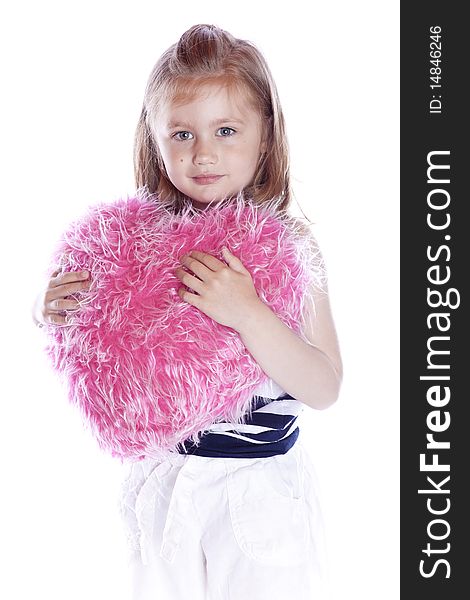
(54, 306)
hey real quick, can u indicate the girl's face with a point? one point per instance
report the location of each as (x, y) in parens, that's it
(211, 145)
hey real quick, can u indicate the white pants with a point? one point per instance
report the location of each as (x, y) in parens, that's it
(225, 528)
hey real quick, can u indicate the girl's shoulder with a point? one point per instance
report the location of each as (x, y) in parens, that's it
(311, 251)
(301, 225)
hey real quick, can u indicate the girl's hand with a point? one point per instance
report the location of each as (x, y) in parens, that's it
(224, 293)
(52, 306)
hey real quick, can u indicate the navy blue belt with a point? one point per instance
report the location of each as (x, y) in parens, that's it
(215, 445)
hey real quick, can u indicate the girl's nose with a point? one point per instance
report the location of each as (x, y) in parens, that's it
(204, 153)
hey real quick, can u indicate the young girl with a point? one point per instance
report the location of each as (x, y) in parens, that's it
(238, 516)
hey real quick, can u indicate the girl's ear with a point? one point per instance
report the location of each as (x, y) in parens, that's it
(263, 147)
(263, 143)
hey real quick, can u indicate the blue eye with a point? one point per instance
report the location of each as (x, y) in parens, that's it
(178, 135)
(180, 132)
(227, 129)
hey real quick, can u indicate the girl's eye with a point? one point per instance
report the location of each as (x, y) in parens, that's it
(181, 133)
(227, 129)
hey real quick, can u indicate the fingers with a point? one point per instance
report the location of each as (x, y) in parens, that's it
(62, 291)
(61, 286)
(56, 319)
(60, 305)
(61, 312)
(68, 277)
(57, 301)
(189, 280)
(196, 259)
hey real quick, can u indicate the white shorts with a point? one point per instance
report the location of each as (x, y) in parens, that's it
(225, 528)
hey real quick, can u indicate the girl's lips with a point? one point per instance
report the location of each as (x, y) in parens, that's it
(205, 180)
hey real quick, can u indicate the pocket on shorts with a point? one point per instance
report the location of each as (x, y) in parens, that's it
(268, 510)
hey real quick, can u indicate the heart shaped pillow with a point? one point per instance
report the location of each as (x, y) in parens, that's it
(147, 369)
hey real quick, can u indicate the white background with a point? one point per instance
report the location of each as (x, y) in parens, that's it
(73, 77)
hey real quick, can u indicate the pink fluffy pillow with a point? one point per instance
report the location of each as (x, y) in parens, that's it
(147, 369)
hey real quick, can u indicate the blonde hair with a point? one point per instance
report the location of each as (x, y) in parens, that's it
(206, 54)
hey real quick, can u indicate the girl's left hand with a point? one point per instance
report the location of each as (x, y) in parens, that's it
(224, 293)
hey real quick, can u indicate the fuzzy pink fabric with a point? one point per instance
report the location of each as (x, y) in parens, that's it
(147, 369)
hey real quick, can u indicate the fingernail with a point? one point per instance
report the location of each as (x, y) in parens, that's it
(84, 273)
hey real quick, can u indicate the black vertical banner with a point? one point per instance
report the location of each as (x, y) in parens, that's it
(434, 260)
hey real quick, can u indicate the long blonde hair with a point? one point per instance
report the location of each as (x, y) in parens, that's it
(203, 54)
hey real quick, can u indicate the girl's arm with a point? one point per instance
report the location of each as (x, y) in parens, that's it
(311, 373)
